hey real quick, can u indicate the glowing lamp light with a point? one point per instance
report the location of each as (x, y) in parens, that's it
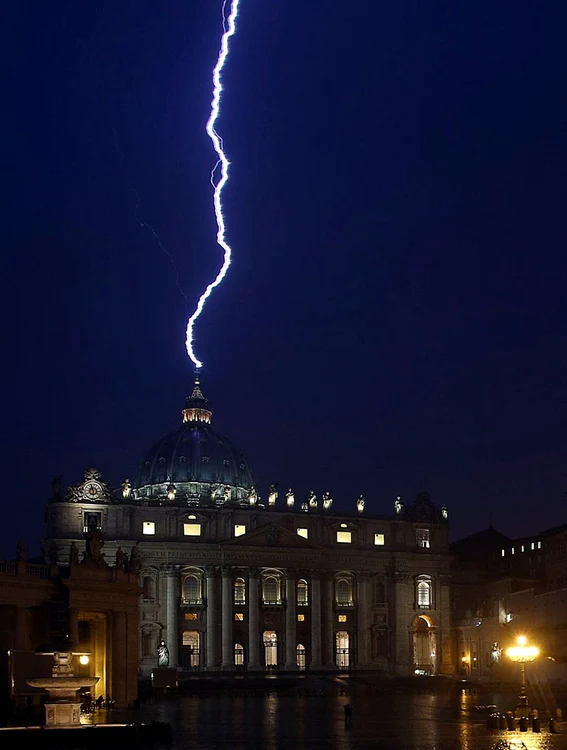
(83, 659)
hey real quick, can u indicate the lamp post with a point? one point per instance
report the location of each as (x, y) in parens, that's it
(522, 654)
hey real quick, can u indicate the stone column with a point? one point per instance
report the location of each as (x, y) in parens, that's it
(290, 623)
(329, 655)
(74, 626)
(211, 662)
(315, 606)
(363, 656)
(171, 614)
(253, 626)
(119, 688)
(445, 661)
(403, 606)
(227, 646)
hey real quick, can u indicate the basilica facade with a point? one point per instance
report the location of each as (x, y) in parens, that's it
(231, 582)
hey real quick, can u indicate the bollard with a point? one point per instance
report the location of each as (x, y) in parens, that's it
(503, 722)
(552, 729)
(511, 722)
(535, 725)
(493, 721)
(523, 724)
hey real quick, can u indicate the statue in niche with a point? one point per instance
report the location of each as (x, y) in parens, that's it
(327, 500)
(272, 495)
(56, 486)
(398, 506)
(312, 499)
(20, 551)
(126, 489)
(163, 655)
(360, 503)
(290, 498)
(252, 496)
(120, 559)
(95, 543)
(74, 554)
(134, 564)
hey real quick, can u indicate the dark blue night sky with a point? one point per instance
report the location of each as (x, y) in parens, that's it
(395, 318)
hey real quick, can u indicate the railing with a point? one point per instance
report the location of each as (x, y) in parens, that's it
(13, 568)
(40, 571)
(7, 567)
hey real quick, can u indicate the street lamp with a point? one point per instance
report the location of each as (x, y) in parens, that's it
(522, 654)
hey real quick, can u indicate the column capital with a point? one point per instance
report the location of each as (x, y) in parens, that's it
(253, 572)
(169, 570)
(226, 571)
(211, 570)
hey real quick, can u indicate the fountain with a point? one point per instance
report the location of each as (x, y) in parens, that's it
(64, 710)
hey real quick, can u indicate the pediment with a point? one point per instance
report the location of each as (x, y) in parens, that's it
(271, 535)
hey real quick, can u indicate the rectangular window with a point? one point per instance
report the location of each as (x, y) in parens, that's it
(379, 540)
(342, 618)
(303, 532)
(300, 618)
(239, 529)
(148, 527)
(539, 545)
(191, 616)
(344, 537)
(513, 551)
(503, 552)
(533, 545)
(192, 529)
(92, 521)
(422, 538)
(522, 548)
(239, 616)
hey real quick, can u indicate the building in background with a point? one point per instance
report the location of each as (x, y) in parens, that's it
(90, 604)
(231, 581)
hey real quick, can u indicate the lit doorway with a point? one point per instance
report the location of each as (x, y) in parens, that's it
(191, 647)
(300, 656)
(342, 650)
(270, 649)
(424, 646)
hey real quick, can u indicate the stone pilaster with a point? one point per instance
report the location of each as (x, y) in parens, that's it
(445, 660)
(22, 635)
(403, 607)
(329, 601)
(170, 578)
(253, 625)
(211, 655)
(227, 646)
(290, 624)
(363, 656)
(315, 606)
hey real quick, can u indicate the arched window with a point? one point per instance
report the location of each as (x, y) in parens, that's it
(239, 591)
(148, 644)
(271, 590)
(379, 593)
(148, 586)
(238, 655)
(302, 593)
(192, 589)
(423, 593)
(343, 590)
(300, 651)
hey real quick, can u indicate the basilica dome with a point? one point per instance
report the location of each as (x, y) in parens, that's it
(196, 459)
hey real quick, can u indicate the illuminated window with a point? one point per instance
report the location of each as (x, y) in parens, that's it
(238, 655)
(239, 529)
(379, 540)
(522, 548)
(303, 532)
(192, 589)
(513, 551)
(423, 593)
(302, 593)
(539, 545)
(344, 526)
(342, 618)
(344, 537)
(191, 616)
(148, 527)
(192, 529)
(503, 552)
(271, 590)
(239, 616)
(422, 538)
(343, 591)
(533, 545)
(300, 618)
(239, 591)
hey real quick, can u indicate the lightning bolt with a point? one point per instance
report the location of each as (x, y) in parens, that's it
(229, 28)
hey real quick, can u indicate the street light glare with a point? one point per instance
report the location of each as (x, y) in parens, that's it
(521, 640)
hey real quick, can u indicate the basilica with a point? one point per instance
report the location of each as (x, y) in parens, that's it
(230, 582)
